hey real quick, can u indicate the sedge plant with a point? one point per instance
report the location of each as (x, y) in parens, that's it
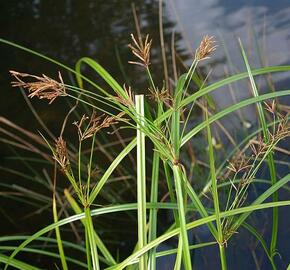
(165, 126)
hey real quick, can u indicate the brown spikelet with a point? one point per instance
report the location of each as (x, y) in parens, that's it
(95, 124)
(61, 155)
(239, 164)
(129, 101)
(41, 87)
(258, 147)
(161, 95)
(206, 48)
(283, 129)
(141, 51)
(270, 107)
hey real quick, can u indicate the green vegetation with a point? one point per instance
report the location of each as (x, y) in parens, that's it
(164, 131)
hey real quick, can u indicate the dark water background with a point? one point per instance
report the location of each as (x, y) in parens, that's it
(67, 30)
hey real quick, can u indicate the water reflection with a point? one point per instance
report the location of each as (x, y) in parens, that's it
(263, 27)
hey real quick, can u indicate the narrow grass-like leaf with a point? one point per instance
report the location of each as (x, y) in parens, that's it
(175, 122)
(194, 224)
(133, 206)
(102, 72)
(178, 259)
(217, 85)
(200, 207)
(270, 158)
(264, 196)
(16, 263)
(175, 250)
(263, 243)
(58, 237)
(231, 109)
(40, 251)
(94, 193)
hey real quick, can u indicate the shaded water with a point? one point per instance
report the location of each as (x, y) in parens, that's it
(67, 30)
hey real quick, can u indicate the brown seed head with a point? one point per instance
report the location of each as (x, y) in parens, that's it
(41, 87)
(270, 107)
(207, 46)
(61, 155)
(283, 129)
(95, 124)
(129, 101)
(161, 95)
(141, 51)
(238, 164)
(258, 147)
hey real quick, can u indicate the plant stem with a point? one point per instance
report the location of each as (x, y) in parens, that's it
(215, 195)
(91, 237)
(141, 179)
(177, 172)
(101, 246)
(223, 256)
(58, 236)
(153, 212)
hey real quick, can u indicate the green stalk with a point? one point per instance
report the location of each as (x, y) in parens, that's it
(243, 213)
(106, 253)
(175, 121)
(92, 241)
(177, 172)
(178, 260)
(223, 256)
(183, 245)
(171, 191)
(175, 214)
(88, 253)
(79, 167)
(189, 75)
(150, 78)
(87, 195)
(270, 158)
(162, 45)
(153, 212)
(58, 237)
(141, 179)
(153, 199)
(216, 197)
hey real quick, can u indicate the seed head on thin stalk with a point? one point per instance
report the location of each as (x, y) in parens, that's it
(141, 51)
(206, 48)
(95, 124)
(42, 87)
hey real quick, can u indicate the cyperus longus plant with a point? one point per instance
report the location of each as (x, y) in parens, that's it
(166, 125)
